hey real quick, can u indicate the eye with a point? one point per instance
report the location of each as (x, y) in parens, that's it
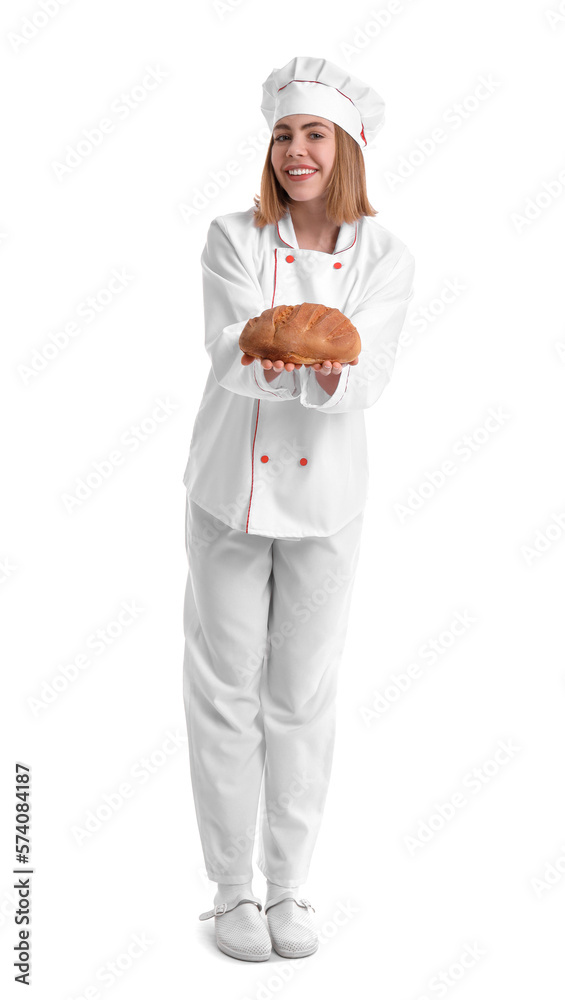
(283, 136)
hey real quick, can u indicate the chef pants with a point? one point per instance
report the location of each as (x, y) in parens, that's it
(265, 623)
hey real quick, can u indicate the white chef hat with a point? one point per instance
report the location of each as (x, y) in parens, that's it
(309, 85)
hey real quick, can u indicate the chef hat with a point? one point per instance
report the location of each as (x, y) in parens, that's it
(309, 85)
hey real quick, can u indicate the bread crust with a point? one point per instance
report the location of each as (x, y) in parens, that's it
(308, 333)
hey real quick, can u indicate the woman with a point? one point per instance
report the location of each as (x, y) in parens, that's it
(276, 482)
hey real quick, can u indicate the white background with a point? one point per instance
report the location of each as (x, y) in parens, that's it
(482, 211)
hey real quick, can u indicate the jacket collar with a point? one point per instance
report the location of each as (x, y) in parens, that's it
(346, 237)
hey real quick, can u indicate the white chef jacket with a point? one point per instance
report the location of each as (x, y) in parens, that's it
(285, 458)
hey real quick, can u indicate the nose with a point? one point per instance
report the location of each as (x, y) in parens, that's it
(296, 145)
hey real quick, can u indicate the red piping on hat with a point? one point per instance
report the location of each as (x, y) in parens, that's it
(362, 133)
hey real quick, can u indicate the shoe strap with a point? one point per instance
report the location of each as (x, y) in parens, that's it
(221, 908)
(288, 895)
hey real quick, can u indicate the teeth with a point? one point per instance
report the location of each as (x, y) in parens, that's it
(298, 172)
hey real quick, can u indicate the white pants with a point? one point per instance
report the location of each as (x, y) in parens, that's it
(265, 622)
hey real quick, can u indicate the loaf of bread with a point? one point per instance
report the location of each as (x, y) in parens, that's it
(304, 334)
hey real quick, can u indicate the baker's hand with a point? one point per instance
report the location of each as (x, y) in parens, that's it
(277, 366)
(330, 367)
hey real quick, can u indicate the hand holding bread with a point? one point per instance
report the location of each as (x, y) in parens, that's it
(309, 334)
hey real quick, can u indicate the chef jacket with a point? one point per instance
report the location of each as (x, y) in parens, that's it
(286, 458)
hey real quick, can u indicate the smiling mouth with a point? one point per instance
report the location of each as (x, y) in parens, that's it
(300, 173)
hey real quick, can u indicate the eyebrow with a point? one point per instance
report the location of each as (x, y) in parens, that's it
(285, 125)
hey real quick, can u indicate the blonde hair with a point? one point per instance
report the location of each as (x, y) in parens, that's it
(346, 194)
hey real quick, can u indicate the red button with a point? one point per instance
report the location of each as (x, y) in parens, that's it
(303, 461)
(289, 259)
(264, 458)
(337, 265)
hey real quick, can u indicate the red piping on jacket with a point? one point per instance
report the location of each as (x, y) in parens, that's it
(259, 401)
(331, 255)
(258, 405)
(252, 454)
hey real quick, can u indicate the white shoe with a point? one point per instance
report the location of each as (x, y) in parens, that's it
(240, 928)
(291, 927)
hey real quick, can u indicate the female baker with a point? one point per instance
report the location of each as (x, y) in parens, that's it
(276, 484)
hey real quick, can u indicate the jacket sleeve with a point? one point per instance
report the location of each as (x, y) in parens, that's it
(232, 295)
(379, 320)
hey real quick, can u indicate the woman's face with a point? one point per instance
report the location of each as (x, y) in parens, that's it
(303, 141)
